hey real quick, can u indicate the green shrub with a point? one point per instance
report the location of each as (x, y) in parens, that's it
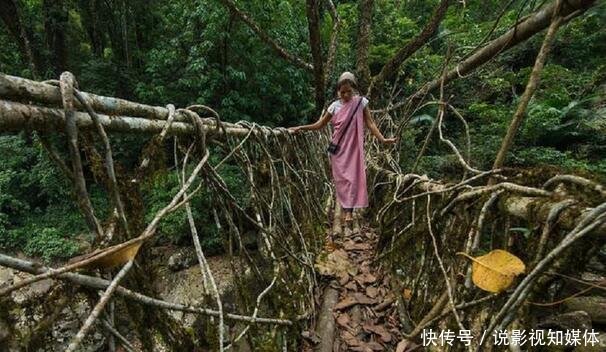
(49, 243)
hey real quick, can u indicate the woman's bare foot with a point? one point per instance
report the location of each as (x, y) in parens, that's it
(348, 217)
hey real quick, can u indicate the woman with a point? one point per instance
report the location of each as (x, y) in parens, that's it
(347, 164)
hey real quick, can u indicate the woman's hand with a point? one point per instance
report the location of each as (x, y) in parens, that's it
(295, 130)
(388, 140)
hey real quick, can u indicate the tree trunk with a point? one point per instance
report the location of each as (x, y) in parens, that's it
(55, 25)
(365, 8)
(90, 14)
(254, 26)
(390, 69)
(531, 25)
(531, 87)
(325, 328)
(315, 43)
(10, 16)
(124, 27)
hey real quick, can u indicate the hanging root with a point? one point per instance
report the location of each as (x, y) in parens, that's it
(286, 186)
(474, 218)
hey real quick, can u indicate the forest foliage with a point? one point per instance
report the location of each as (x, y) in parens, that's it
(190, 51)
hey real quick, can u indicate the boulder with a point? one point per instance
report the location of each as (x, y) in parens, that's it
(595, 306)
(598, 347)
(182, 259)
(6, 276)
(32, 291)
(572, 320)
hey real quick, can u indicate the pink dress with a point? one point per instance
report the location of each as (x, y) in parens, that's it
(348, 166)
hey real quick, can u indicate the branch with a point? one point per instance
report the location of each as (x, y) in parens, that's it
(101, 284)
(315, 42)
(18, 116)
(592, 220)
(577, 180)
(449, 288)
(530, 26)
(109, 162)
(125, 343)
(391, 67)
(332, 49)
(265, 37)
(67, 92)
(108, 256)
(205, 268)
(98, 308)
(531, 87)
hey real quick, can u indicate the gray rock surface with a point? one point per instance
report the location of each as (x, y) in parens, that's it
(572, 320)
(182, 259)
(595, 306)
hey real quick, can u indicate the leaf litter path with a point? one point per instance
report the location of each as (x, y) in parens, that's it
(363, 313)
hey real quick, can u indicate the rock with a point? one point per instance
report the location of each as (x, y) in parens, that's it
(598, 347)
(573, 320)
(591, 277)
(6, 276)
(32, 291)
(595, 306)
(182, 259)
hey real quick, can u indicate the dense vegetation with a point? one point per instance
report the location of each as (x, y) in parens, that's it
(189, 51)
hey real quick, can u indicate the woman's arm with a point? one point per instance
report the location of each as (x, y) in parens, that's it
(370, 124)
(322, 121)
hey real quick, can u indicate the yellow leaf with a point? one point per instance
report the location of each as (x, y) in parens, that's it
(495, 271)
(116, 258)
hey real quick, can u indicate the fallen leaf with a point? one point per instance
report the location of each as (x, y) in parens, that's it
(346, 303)
(363, 299)
(375, 346)
(495, 271)
(366, 278)
(350, 339)
(387, 301)
(372, 292)
(379, 330)
(343, 279)
(334, 264)
(406, 346)
(351, 286)
(386, 281)
(363, 246)
(343, 320)
(350, 245)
